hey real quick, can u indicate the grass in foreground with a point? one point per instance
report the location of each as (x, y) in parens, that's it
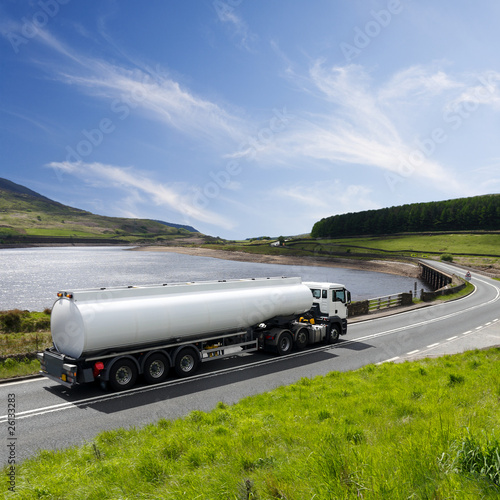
(426, 429)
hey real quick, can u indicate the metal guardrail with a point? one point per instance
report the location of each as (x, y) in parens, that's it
(384, 302)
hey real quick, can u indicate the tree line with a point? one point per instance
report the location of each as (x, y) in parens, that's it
(461, 214)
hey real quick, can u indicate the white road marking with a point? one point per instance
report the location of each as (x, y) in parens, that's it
(34, 379)
(388, 360)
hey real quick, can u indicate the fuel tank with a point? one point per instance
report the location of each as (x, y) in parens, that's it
(86, 322)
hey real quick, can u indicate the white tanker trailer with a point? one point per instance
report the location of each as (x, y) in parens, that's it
(114, 335)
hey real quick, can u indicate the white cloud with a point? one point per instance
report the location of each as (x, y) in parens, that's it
(484, 89)
(227, 14)
(179, 198)
(157, 96)
(417, 83)
(322, 199)
(138, 88)
(360, 125)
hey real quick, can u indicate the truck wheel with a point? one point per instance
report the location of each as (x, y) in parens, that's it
(301, 338)
(156, 368)
(333, 335)
(186, 362)
(285, 343)
(123, 375)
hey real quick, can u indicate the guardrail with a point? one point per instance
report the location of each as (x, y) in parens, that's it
(385, 302)
(362, 307)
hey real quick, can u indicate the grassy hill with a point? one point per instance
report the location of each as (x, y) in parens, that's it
(479, 250)
(27, 216)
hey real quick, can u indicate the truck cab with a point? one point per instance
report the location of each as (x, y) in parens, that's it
(329, 300)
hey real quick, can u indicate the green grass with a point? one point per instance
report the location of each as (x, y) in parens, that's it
(408, 245)
(427, 429)
(24, 215)
(469, 288)
(63, 233)
(464, 248)
(17, 368)
(22, 334)
(425, 244)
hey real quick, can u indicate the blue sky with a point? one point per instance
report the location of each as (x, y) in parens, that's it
(249, 117)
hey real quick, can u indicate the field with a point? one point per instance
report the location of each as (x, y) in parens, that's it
(427, 429)
(481, 250)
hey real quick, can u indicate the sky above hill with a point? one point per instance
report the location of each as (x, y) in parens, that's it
(248, 117)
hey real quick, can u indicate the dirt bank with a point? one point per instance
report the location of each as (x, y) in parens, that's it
(380, 266)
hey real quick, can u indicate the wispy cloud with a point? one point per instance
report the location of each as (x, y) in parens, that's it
(139, 188)
(239, 28)
(134, 87)
(315, 200)
(317, 197)
(367, 125)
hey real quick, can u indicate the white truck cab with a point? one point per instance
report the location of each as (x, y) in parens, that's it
(330, 299)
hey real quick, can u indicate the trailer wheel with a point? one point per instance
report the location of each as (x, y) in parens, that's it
(186, 362)
(301, 338)
(156, 368)
(285, 343)
(123, 375)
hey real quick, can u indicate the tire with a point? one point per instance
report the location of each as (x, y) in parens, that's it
(301, 338)
(186, 362)
(123, 375)
(156, 368)
(333, 335)
(285, 343)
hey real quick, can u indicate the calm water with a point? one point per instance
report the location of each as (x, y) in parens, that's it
(31, 277)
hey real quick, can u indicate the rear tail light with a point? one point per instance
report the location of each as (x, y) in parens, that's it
(98, 368)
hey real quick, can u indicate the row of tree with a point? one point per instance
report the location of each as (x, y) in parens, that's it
(462, 214)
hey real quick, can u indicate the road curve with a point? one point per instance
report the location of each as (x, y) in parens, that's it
(49, 416)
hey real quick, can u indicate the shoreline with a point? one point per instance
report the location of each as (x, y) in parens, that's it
(378, 266)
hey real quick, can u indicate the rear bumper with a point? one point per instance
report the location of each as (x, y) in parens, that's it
(57, 367)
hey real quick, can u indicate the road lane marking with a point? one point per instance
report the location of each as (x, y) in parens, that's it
(388, 360)
(33, 379)
(452, 338)
(467, 332)
(411, 353)
(432, 345)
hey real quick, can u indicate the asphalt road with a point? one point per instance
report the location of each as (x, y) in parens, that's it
(49, 416)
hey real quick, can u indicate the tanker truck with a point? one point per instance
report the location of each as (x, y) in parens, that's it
(116, 335)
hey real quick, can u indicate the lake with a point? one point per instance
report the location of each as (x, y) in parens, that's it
(31, 277)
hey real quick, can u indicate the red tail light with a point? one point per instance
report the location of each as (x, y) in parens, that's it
(98, 368)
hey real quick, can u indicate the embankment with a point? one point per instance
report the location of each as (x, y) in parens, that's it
(380, 266)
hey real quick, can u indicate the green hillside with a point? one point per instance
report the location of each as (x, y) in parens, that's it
(27, 216)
